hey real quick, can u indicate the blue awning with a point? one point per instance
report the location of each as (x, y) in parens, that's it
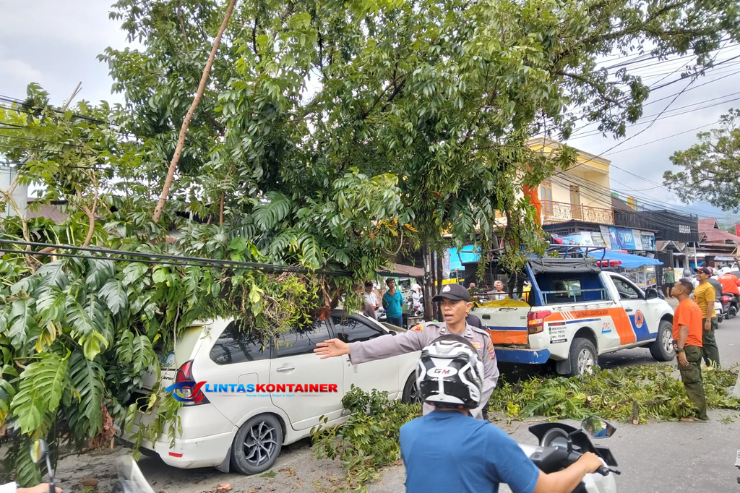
(628, 260)
(467, 255)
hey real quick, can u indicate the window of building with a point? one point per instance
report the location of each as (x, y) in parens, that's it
(575, 202)
(546, 196)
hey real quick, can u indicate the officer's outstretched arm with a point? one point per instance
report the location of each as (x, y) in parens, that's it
(331, 348)
(374, 349)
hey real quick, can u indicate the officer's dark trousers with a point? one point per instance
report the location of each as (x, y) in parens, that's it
(709, 340)
(693, 381)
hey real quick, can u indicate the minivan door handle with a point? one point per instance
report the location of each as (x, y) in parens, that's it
(286, 368)
(628, 310)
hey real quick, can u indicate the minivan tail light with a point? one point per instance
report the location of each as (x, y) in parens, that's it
(536, 321)
(185, 374)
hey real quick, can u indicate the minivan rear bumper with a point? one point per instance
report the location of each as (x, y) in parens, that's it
(206, 438)
(197, 452)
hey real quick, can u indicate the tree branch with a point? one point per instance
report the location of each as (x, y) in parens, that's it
(182, 23)
(189, 116)
(585, 80)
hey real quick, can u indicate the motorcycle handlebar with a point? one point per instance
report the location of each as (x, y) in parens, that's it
(574, 456)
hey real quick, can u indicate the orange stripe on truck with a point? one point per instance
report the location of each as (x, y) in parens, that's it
(621, 321)
(508, 336)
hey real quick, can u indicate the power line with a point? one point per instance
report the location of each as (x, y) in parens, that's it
(172, 259)
(649, 201)
(647, 128)
(592, 133)
(664, 138)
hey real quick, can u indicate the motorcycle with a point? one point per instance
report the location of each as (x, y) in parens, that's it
(719, 311)
(561, 445)
(130, 478)
(729, 304)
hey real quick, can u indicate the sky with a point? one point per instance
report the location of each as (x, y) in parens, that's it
(56, 43)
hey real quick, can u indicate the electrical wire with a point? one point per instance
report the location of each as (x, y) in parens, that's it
(162, 258)
(663, 138)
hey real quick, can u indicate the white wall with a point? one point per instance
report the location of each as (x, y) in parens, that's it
(20, 194)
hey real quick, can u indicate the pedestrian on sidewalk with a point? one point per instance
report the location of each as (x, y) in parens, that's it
(393, 304)
(704, 296)
(371, 300)
(670, 280)
(687, 342)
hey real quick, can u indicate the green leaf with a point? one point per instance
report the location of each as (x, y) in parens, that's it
(41, 386)
(159, 275)
(115, 296)
(133, 272)
(51, 304)
(91, 344)
(86, 377)
(269, 213)
(53, 274)
(100, 272)
(21, 321)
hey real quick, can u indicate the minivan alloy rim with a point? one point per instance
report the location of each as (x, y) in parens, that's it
(260, 443)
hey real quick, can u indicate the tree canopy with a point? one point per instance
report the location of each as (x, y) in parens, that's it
(711, 167)
(330, 135)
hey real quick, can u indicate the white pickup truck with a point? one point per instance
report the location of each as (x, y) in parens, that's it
(574, 312)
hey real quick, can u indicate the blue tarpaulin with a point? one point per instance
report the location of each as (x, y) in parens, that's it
(466, 255)
(628, 260)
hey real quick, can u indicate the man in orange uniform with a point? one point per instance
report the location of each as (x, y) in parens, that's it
(687, 337)
(730, 284)
(704, 296)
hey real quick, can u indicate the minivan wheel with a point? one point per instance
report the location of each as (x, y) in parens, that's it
(257, 444)
(411, 391)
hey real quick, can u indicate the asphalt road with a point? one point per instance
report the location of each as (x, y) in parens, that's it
(659, 457)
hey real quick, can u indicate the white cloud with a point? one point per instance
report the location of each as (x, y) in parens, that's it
(17, 70)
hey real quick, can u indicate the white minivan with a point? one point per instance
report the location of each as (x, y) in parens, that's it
(249, 402)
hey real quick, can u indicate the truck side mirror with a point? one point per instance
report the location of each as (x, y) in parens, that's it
(651, 293)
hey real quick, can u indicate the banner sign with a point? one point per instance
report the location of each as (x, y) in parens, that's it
(638, 239)
(648, 242)
(605, 236)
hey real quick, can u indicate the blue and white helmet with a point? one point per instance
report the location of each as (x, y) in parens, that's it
(450, 373)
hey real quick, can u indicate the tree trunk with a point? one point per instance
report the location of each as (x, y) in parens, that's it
(440, 281)
(189, 116)
(428, 288)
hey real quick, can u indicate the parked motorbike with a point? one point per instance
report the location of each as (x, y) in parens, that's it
(560, 445)
(719, 311)
(130, 478)
(729, 304)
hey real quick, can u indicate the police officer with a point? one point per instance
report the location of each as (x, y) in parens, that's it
(455, 305)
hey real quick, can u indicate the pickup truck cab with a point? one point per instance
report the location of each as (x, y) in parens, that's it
(573, 312)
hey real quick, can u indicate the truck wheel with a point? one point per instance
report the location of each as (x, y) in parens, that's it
(257, 444)
(662, 346)
(411, 391)
(583, 357)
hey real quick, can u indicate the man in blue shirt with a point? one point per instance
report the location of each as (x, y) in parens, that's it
(448, 450)
(393, 304)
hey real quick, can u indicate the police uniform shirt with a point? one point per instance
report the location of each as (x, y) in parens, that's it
(423, 335)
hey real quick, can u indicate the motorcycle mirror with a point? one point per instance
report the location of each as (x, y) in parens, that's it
(596, 427)
(39, 451)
